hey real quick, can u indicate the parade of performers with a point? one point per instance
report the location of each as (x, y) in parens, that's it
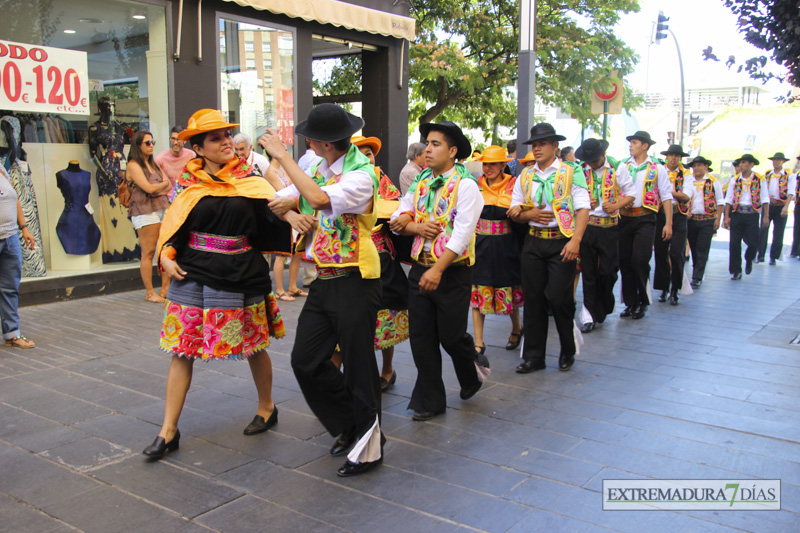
(393, 266)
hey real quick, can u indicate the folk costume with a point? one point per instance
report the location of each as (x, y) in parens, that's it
(453, 200)
(706, 209)
(744, 201)
(781, 186)
(561, 189)
(637, 226)
(599, 255)
(670, 255)
(796, 233)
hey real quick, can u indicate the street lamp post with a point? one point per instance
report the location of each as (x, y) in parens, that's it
(683, 91)
(526, 84)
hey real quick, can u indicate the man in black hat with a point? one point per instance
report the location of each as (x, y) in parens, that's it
(707, 204)
(781, 187)
(552, 198)
(670, 255)
(441, 210)
(599, 259)
(747, 196)
(342, 305)
(637, 226)
(796, 233)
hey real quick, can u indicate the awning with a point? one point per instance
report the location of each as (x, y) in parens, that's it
(339, 14)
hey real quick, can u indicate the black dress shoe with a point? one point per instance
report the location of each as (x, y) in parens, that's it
(772, 262)
(565, 362)
(758, 260)
(386, 385)
(160, 447)
(586, 328)
(638, 312)
(696, 283)
(422, 416)
(343, 444)
(469, 392)
(663, 297)
(737, 276)
(526, 367)
(673, 298)
(513, 345)
(259, 425)
(350, 468)
(626, 312)
(748, 267)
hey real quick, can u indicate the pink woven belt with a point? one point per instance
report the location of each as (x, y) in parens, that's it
(703, 217)
(219, 244)
(493, 227)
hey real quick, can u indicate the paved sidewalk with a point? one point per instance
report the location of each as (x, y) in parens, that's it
(708, 389)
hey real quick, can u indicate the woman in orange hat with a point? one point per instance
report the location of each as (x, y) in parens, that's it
(528, 160)
(496, 280)
(220, 303)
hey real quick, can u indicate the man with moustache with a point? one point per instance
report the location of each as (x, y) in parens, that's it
(707, 204)
(747, 198)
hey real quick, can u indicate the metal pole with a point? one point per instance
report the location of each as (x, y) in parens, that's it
(526, 85)
(605, 120)
(683, 91)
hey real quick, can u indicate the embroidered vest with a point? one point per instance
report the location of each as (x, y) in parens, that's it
(650, 197)
(755, 191)
(709, 196)
(444, 214)
(609, 189)
(677, 178)
(783, 182)
(563, 207)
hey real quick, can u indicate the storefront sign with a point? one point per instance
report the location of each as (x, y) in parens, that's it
(42, 79)
(286, 116)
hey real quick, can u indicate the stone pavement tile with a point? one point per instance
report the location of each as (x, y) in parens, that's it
(561, 404)
(50, 404)
(115, 398)
(204, 457)
(162, 484)
(122, 430)
(297, 425)
(108, 510)
(85, 454)
(713, 389)
(15, 362)
(154, 361)
(556, 467)
(545, 522)
(62, 381)
(253, 514)
(774, 399)
(33, 432)
(730, 381)
(341, 505)
(751, 520)
(596, 483)
(37, 481)
(222, 404)
(130, 378)
(20, 517)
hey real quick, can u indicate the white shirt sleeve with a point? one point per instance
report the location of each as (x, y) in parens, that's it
(664, 184)
(625, 182)
(517, 198)
(353, 194)
(580, 198)
(729, 192)
(406, 205)
(469, 205)
(792, 185)
(720, 196)
(288, 192)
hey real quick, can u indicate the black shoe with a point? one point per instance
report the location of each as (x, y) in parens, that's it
(422, 416)
(748, 267)
(480, 350)
(663, 297)
(343, 444)
(696, 283)
(526, 367)
(513, 345)
(565, 362)
(737, 276)
(673, 298)
(626, 312)
(638, 312)
(386, 385)
(772, 262)
(349, 468)
(586, 328)
(159, 448)
(759, 260)
(259, 425)
(469, 392)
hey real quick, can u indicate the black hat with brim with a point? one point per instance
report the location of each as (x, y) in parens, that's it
(451, 129)
(641, 136)
(542, 131)
(699, 159)
(329, 123)
(750, 158)
(778, 155)
(591, 150)
(675, 149)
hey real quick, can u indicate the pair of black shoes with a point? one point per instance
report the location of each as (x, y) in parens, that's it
(634, 311)
(565, 362)
(673, 297)
(353, 468)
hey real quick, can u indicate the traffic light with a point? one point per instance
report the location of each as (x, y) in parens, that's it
(661, 27)
(694, 121)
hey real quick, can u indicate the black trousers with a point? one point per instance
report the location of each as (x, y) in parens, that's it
(434, 318)
(700, 233)
(547, 279)
(796, 231)
(599, 266)
(671, 254)
(340, 311)
(635, 249)
(778, 227)
(743, 226)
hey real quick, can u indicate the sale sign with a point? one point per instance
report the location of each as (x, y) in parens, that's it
(42, 79)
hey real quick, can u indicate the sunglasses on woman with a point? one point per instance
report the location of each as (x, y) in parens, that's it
(149, 143)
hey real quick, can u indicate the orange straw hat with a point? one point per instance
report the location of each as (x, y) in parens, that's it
(527, 159)
(372, 142)
(204, 120)
(494, 154)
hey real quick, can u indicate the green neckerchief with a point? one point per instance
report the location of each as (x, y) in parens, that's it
(545, 188)
(353, 160)
(598, 183)
(635, 170)
(438, 181)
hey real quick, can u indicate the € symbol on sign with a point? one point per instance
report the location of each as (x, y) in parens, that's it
(25, 98)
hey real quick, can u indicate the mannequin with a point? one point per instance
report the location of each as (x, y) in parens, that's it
(107, 138)
(76, 229)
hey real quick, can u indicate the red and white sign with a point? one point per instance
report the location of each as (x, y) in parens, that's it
(42, 79)
(286, 116)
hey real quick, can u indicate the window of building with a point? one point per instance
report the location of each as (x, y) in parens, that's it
(250, 64)
(249, 46)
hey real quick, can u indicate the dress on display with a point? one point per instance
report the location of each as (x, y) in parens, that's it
(119, 238)
(76, 228)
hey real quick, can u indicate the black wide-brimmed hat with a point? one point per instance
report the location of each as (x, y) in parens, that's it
(641, 136)
(543, 130)
(749, 157)
(675, 149)
(737, 161)
(779, 155)
(329, 123)
(591, 150)
(701, 160)
(462, 143)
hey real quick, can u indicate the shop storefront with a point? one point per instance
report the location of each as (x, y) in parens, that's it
(79, 77)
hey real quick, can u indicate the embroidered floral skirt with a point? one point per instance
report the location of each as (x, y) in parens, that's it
(391, 328)
(205, 323)
(496, 300)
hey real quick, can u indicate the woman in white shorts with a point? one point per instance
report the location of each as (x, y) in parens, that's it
(149, 200)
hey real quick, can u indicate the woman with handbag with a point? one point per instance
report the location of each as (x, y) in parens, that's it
(149, 189)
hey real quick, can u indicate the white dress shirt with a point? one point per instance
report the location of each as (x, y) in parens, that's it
(469, 204)
(580, 195)
(259, 161)
(695, 187)
(663, 182)
(353, 194)
(307, 160)
(624, 183)
(744, 198)
(773, 185)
